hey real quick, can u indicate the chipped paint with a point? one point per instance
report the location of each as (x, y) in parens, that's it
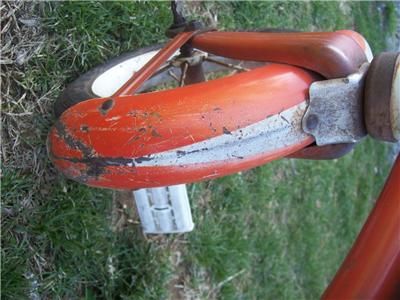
(116, 118)
(84, 128)
(268, 135)
(185, 135)
(106, 106)
(226, 131)
(71, 141)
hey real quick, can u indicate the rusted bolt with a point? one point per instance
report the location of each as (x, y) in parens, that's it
(312, 122)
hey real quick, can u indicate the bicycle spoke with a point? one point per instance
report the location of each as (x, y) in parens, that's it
(183, 75)
(228, 65)
(162, 69)
(173, 75)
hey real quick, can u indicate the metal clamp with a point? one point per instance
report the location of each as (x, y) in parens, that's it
(335, 111)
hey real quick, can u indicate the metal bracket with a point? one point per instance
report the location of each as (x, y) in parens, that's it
(335, 111)
(195, 59)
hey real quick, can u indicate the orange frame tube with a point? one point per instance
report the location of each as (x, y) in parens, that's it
(371, 270)
(331, 54)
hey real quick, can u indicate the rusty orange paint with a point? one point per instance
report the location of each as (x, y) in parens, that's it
(331, 54)
(371, 270)
(126, 127)
(358, 38)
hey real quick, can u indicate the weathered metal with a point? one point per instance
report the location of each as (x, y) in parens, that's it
(371, 270)
(146, 140)
(200, 131)
(382, 97)
(331, 54)
(323, 152)
(334, 114)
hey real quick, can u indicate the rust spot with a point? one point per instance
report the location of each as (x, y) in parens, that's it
(142, 159)
(106, 106)
(71, 141)
(155, 133)
(180, 153)
(96, 165)
(132, 113)
(95, 171)
(155, 114)
(226, 131)
(212, 128)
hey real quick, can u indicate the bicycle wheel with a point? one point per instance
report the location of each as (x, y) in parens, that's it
(103, 80)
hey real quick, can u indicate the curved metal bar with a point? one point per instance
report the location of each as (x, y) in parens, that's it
(331, 54)
(371, 270)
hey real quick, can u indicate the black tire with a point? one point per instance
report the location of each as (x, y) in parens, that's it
(81, 88)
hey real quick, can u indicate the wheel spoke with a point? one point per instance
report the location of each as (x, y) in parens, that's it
(228, 65)
(173, 75)
(162, 69)
(183, 75)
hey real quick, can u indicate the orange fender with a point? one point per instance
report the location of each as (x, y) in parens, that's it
(187, 134)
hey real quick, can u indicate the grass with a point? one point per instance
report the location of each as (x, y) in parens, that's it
(68, 239)
(278, 231)
(363, 24)
(288, 224)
